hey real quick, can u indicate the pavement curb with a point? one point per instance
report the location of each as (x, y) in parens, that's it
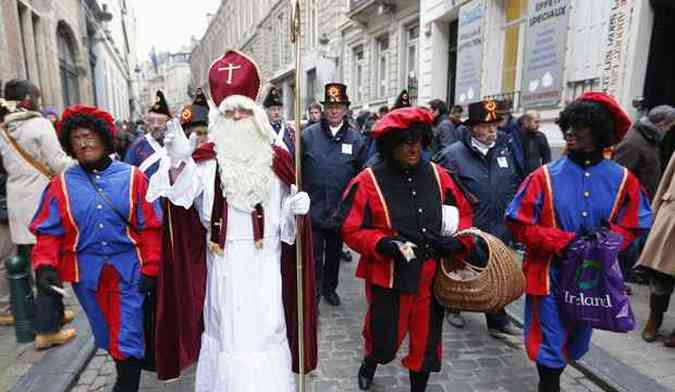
(60, 367)
(600, 366)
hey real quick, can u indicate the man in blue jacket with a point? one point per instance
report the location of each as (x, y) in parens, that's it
(332, 154)
(484, 165)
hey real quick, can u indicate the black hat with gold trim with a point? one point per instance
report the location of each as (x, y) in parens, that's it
(484, 112)
(336, 93)
(197, 113)
(273, 98)
(160, 106)
(200, 98)
(402, 101)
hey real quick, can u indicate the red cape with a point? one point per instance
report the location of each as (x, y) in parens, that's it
(181, 285)
(182, 282)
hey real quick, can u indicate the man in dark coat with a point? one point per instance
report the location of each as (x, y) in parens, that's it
(332, 154)
(639, 153)
(483, 163)
(445, 132)
(531, 148)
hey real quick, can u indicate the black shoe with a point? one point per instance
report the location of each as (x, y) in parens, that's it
(365, 376)
(332, 298)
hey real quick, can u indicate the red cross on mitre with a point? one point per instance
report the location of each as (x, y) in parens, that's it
(233, 74)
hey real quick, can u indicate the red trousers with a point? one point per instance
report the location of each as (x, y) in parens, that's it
(393, 314)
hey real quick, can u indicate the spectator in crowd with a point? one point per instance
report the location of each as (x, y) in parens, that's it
(561, 202)
(382, 111)
(445, 133)
(402, 101)
(333, 153)
(530, 145)
(483, 164)
(7, 249)
(315, 113)
(31, 155)
(455, 115)
(657, 257)
(52, 115)
(95, 230)
(639, 153)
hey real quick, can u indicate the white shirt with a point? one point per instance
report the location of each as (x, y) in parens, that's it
(482, 147)
(335, 130)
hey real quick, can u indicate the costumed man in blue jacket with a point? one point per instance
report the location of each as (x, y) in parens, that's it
(484, 165)
(274, 106)
(146, 151)
(332, 154)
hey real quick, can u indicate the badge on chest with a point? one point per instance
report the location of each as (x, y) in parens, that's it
(347, 148)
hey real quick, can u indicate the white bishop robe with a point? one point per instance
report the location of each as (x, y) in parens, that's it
(244, 344)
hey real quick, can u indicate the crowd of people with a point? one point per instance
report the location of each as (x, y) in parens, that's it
(191, 221)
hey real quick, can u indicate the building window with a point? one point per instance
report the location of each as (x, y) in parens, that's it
(312, 23)
(515, 12)
(357, 72)
(311, 87)
(67, 66)
(589, 40)
(381, 69)
(412, 39)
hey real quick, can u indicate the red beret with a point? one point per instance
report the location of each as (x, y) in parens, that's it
(233, 74)
(621, 119)
(401, 119)
(77, 110)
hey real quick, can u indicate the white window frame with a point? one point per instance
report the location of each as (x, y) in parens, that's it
(357, 71)
(411, 43)
(381, 65)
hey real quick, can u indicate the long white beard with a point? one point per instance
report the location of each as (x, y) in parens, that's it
(245, 157)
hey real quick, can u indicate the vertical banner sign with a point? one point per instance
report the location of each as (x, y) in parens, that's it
(544, 53)
(469, 52)
(612, 75)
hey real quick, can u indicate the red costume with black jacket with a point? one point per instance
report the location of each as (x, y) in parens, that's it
(384, 201)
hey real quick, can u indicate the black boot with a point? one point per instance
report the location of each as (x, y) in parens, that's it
(128, 375)
(549, 378)
(366, 374)
(418, 381)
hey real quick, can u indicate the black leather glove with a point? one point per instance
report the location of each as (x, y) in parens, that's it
(388, 247)
(148, 284)
(446, 246)
(45, 277)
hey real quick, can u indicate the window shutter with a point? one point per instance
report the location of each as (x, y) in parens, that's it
(589, 38)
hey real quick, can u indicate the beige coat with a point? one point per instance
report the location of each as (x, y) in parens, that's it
(659, 251)
(37, 137)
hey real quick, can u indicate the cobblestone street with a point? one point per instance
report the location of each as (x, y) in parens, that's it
(473, 361)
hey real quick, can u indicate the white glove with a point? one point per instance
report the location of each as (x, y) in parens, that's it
(178, 146)
(450, 221)
(299, 203)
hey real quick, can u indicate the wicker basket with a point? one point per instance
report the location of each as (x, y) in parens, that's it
(476, 289)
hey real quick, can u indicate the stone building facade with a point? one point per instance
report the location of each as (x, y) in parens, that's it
(618, 46)
(379, 47)
(58, 45)
(262, 30)
(170, 73)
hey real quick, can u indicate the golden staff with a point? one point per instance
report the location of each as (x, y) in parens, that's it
(295, 38)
